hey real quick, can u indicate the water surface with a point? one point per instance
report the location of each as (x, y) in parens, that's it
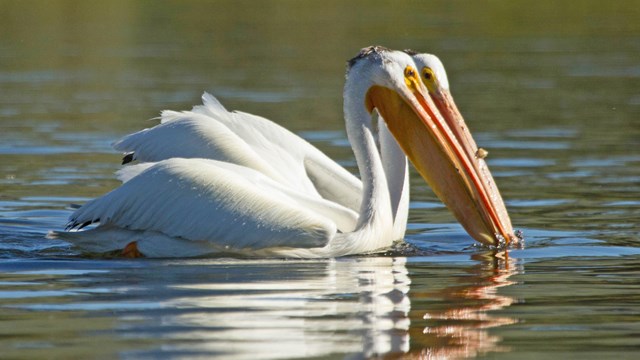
(550, 89)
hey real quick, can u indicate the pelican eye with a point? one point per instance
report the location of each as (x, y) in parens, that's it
(428, 74)
(410, 77)
(429, 78)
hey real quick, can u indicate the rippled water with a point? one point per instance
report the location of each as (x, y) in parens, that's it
(551, 90)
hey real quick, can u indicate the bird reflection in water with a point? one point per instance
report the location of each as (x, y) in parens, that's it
(385, 306)
(361, 307)
(356, 306)
(460, 328)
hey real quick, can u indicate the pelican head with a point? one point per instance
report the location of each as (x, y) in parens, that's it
(411, 93)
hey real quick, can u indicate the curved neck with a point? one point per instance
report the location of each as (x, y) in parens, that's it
(396, 168)
(375, 221)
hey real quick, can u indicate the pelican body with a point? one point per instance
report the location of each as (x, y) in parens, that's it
(210, 181)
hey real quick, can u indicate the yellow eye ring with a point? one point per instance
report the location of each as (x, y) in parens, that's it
(409, 72)
(411, 77)
(429, 78)
(428, 74)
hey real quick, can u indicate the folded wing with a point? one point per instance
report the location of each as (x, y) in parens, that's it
(210, 131)
(245, 208)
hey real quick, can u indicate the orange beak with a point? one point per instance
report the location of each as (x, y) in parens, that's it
(433, 135)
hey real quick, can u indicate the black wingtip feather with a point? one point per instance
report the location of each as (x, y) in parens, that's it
(127, 158)
(74, 225)
(85, 224)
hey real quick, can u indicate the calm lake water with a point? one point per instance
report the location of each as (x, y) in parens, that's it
(550, 88)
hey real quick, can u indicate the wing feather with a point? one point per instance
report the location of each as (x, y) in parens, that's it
(210, 131)
(199, 199)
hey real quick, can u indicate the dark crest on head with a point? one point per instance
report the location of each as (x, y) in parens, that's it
(376, 49)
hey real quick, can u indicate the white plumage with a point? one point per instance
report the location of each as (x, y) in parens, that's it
(210, 131)
(236, 178)
(210, 181)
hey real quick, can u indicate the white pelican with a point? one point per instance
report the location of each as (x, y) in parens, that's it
(214, 181)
